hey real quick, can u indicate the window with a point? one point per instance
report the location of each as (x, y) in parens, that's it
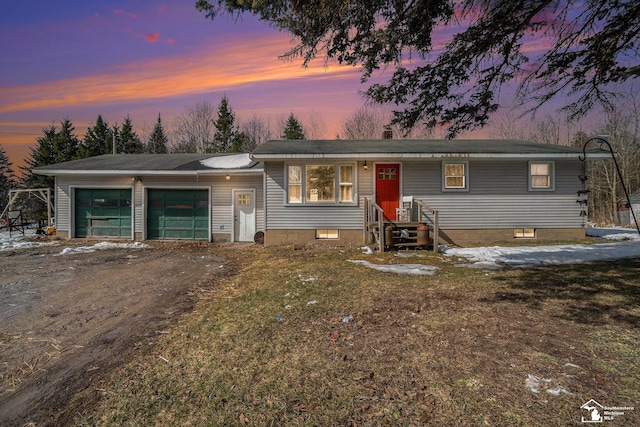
(387, 174)
(541, 176)
(346, 184)
(524, 233)
(455, 176)
(294, 190)
(326, 234)
(324, 183)
(321, 183)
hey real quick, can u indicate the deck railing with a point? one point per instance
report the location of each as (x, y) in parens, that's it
(422, 209)
(373, 214)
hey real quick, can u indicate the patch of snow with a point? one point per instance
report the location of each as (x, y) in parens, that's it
(232, 161)
(366, 250)
(616, 233)
(414, 269)
(18, 241)
(530, 256)
(558, 390)
(102, 246)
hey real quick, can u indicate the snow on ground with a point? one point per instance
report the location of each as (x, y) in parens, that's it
(18, 241)
(101, 247)
(530, 256)
(415, 269)
(626, 245)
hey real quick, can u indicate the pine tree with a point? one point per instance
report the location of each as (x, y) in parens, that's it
(158, 139)
(227, 136)
(7, 178)
(66, 145)
(293, 129)
(98, 140)
(128, 142)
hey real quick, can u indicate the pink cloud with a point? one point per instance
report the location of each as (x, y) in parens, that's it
(123, 12)
(152, 38)
(161, 9)
(170, 41)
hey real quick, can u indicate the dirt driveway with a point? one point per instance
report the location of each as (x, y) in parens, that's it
(67, 320)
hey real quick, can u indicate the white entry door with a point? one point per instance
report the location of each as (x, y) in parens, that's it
(244, 215)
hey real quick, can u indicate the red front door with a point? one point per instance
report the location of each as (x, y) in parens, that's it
(388, 188)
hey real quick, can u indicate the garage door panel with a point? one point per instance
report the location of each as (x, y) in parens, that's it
(103, 212)
(178, 214)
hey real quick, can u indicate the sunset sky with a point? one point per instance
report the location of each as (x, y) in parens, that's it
(78, 59)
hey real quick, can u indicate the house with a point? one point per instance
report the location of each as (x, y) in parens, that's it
(624, 211)
(478, 191)
(329, 191)
(159, 196)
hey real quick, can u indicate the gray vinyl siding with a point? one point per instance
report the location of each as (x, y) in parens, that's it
(305, 217)
(221, 196)
(498, 195)
(219, 187)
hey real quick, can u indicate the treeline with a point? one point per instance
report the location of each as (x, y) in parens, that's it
(205, 129)
(200, 129)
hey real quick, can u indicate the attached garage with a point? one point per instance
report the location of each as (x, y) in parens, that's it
(103, 212)
(178, 214)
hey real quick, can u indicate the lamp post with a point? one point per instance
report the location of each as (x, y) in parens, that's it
(603, 142)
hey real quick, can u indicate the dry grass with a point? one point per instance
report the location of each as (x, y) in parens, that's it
(455, 348)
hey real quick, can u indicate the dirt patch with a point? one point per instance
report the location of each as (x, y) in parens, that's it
(67, 320)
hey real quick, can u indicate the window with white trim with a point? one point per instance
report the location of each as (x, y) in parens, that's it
(454, 175)
(320, 183)
(541, 176)
(294, 184)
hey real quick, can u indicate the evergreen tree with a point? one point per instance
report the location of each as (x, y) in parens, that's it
(128, 142)
(7, 178)
(158, 139)
(227, 136)
(583, 50)
(53, 147)
(293, 129)
(66, 144)
(98, 140)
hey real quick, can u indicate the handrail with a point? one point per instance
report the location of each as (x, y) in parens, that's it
(422, 205)
(374, 213)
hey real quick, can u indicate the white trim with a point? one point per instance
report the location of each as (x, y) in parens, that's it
(145, 193)
(234, 238)
(130, 173)
(354, 156)
(444, 187)
(72, 204)
(400, 181)
(303, 174)
(552, 176)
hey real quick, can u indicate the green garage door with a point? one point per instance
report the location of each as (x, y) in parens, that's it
(102, 213)
(178, 214)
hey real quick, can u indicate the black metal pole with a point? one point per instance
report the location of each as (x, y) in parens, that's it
(615, 162)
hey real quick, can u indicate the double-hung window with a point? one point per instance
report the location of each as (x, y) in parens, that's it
(541, 176)
(454, 175)
(320, 183)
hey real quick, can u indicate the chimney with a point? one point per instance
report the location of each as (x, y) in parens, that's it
(387, 133)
